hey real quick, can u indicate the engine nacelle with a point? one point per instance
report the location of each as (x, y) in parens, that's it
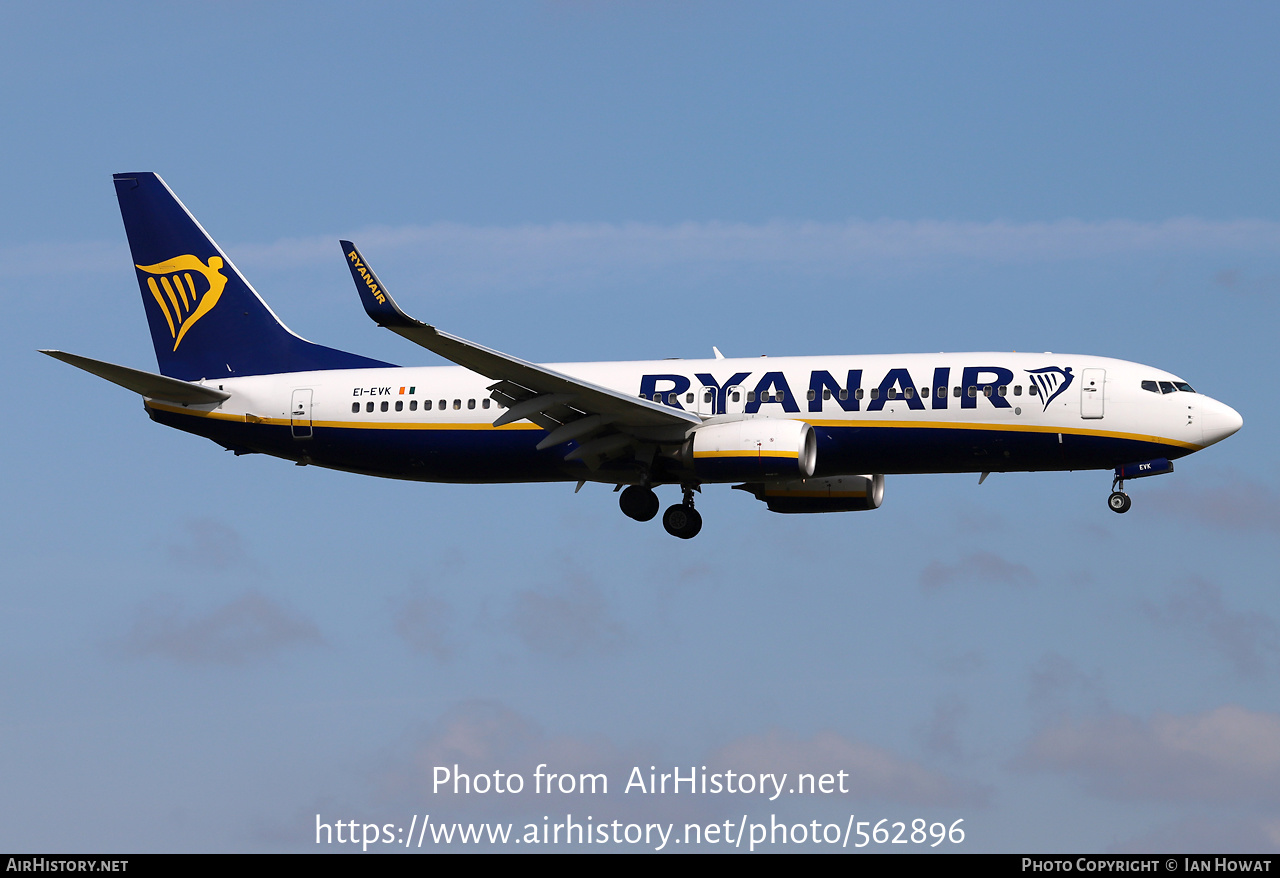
(834, 494)
(752, 449)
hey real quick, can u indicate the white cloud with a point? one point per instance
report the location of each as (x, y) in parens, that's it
(248, 629)
(484, 737)
(942, 732)
(423, 622)
(1229, 755)
(1250, 640)
(567, 621)
(978, 567)
(542, 252)
(209, 544)
(1232, 503)
(1207, 834)
(874, 773)
(1058, 683)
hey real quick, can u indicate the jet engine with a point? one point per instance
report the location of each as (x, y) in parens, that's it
(753, 448)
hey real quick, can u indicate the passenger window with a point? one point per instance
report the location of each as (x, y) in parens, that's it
(909, 393)
(844, 393)
(368, 406)
(355, 407)
(893, 393)
(1017, 390)
(737, 396)
(955, 391)
(780, 396)
(875, 393)
(457, 404)
(1003, 390)
(426, 405)
(857, 394)
(1033, 390)
(826, 393)
(688, 397)
(486, 402)
(751, 396)
(413, 405)
(471, 403)
(706, 397)
(924, 392)
(671, 398)
(973, 391)
(399, 405)
(813, 394)
(444, 404)
(385, 405)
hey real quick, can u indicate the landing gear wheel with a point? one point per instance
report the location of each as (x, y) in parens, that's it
(639, 503)
(682, 521)
(1119, 501)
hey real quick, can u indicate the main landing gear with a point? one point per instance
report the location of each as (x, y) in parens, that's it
(639, 502)
(682, 520)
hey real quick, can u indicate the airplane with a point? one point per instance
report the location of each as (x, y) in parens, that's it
(802, 434)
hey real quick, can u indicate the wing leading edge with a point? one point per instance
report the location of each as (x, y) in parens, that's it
(608, 421)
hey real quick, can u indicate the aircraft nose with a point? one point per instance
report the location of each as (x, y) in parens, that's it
(1219, 420)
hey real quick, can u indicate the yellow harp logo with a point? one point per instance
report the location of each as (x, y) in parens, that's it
(182, 298)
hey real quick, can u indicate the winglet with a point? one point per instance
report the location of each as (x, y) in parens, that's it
(542, 387)
(377, 302)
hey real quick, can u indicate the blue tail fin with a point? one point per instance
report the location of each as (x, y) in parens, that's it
(206, 320)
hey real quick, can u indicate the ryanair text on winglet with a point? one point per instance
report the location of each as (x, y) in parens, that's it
(368, 277)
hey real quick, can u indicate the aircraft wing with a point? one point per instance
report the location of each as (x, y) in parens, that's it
(553, 400)
(148, 384)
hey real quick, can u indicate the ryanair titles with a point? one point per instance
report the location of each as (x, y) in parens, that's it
(741, 392)
(358, 266)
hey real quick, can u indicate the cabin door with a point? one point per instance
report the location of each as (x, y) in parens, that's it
(300, 413)
(1092, 383)
(706, 401)
(735, 400)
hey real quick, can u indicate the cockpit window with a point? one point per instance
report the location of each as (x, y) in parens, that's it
(1167, 386)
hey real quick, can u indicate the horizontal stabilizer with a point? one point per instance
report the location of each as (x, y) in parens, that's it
(148, 384)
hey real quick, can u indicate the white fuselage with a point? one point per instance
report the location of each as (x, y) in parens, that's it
(874, 413)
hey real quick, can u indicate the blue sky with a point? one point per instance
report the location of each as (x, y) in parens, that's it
(201, 652)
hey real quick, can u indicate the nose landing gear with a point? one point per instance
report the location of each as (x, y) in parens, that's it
(1118, 501)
